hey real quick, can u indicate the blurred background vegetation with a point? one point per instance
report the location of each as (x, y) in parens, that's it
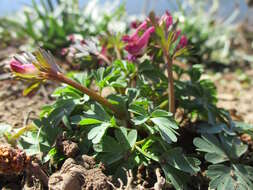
(219, 30)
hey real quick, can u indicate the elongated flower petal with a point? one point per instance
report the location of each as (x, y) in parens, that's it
(136, 47)
(135, 36)
(167, 19)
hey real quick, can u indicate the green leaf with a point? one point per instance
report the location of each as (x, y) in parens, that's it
(100, 113)
(220, 149)
(161, 113)
(67, 91)
(211, 145)
(60, 109)
(40, 140)
(109, 150)
(132, 137)
(139, 119)
(137, 109)
(4, 129)
(195, 72)
(178, 160)
(97, 133)
(211, 129)
(233, 178)
(132, 94)
(178, 178)
(243, 127)
(126, 139)
(121, 136)
(89, 121)
(166, 128)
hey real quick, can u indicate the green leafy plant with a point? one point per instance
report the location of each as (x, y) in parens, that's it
(140, 109)
(212, 38)
(223, 149)
(53, 24)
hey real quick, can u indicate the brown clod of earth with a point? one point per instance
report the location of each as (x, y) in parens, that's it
(12, 161)
(79, 174)
(67, 147)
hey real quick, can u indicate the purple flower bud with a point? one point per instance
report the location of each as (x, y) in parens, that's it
(183, 42)
(134, 36)
(20, 68)
(134, 24)
(167, 19)
(136, 45)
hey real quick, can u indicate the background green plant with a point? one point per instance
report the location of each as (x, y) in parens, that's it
(48, 24)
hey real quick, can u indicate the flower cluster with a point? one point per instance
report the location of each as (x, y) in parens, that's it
(137, 43)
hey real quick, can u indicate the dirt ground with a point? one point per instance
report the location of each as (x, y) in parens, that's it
(235, 93)
(14, 107)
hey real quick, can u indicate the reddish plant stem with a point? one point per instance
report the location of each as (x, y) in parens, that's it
(93, 95)
(171, 94)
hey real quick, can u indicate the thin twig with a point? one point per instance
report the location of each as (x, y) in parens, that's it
(160, 180)
(130, 179)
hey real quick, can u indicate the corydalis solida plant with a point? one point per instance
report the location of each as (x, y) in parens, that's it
(169, 40)
(40, 66)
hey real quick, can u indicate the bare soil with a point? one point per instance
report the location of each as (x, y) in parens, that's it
(235, 93)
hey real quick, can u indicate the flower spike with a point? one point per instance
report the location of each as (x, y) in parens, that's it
(135, 44)
(34, 67)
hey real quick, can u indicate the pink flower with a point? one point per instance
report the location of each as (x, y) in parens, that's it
(71, 38)
(183, 42)
(136, 44)
(134, 24)
(135, 36)
(167, 19)
(18, 67)
(64, 51)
